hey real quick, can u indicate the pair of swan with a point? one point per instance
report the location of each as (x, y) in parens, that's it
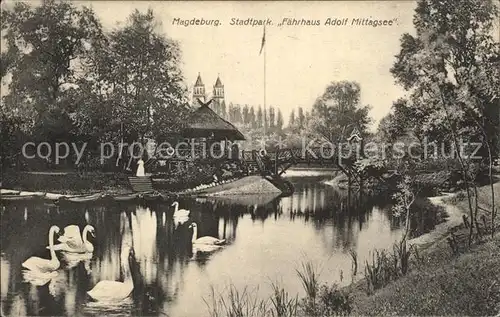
(70, 242)
(203, 244)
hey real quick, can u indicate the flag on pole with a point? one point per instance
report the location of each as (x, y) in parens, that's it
(263, 40)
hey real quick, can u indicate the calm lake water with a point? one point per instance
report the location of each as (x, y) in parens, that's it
(268, 239)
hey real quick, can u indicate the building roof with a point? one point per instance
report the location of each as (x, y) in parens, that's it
(199, 82)
(204, 122)
(218, 83)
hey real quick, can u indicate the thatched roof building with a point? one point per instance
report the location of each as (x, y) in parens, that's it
(205, 123)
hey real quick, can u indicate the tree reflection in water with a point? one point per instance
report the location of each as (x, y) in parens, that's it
(162, 270)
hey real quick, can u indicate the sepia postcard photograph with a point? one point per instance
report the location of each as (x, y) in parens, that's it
(250, 158)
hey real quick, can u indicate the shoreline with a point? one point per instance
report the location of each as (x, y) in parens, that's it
(249, 185)
(453, 219)
(440, 281)
(427, 241)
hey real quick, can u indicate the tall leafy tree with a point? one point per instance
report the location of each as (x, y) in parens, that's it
(246, 115)
(279, 120)
(223, 109)
(338, 111)
(396, 124)
(238, 114)
(230, 112)
(137, 68)
(45, 45)
(271, 117)
(301, 118)
(291, 121)
(253, 122)
(260, 119)
(451, 67)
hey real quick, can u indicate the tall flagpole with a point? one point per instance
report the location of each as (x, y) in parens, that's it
(265, 112)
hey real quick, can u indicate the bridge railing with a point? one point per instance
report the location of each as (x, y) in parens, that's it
(312, 154)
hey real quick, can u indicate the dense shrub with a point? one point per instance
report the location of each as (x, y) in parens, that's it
(188, 177)
(196, 174)
(428, 164)
(430, 184)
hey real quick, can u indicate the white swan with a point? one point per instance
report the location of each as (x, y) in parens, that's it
(180, 212)
(109, 291)
(43, 265)
(204, 240)
(72, 242)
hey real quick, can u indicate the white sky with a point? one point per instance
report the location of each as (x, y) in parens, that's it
(301, 60)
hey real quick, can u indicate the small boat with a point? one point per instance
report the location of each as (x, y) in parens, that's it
(153, 196)
(84, 199)
(9, 192)
(39, 194)
(18, 197)
(52, 196)
(126, 197)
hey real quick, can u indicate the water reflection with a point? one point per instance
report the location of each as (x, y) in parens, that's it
(266, 239)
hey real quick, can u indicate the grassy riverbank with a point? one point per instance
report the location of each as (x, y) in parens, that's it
(442, 283)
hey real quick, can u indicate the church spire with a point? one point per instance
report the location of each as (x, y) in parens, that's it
(199, 82)
(199, 89)
(218, 83)
(218, 89)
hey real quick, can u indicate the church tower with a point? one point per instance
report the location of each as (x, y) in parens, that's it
(199, 91)
(218, 97)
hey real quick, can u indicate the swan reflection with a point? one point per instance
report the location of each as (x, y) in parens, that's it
(144, 230)
(38, 278)
(73, 259)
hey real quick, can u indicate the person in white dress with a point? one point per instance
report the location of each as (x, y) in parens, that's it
(140, 168)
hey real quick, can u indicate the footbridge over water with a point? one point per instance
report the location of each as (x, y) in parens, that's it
(275, 163)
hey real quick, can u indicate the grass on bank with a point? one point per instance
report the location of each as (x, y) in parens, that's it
(320, 299)
(440, 282)
(484, 200)
(444, 285)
